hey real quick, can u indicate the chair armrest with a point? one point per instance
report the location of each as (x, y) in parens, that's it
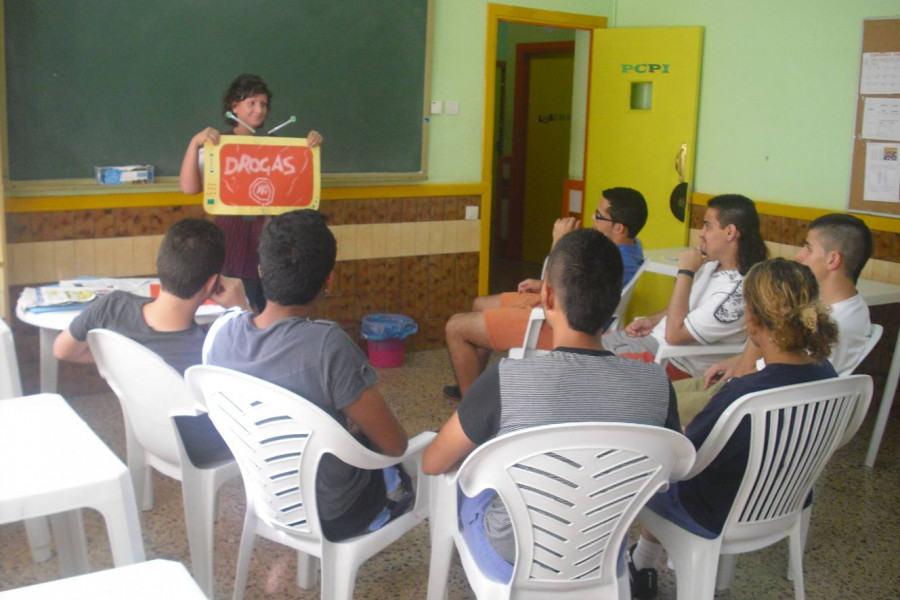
(412, 462)
(532, 333)
(667, 350)
(417, 445)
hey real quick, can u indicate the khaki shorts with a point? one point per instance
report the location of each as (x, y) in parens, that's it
(506, 325)
(692, 397)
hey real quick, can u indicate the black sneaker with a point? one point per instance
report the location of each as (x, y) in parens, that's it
(451, 392)
(643, 582)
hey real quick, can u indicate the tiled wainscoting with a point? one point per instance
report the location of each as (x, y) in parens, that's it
(416, 256)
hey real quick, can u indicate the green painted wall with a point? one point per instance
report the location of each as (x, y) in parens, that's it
(777, 98)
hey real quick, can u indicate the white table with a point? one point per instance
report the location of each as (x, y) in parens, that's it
(51, 323)
(53, 464)
(152, 580)
(665, 262)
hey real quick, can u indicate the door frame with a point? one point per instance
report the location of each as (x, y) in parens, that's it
(526, 16)
(516, 217)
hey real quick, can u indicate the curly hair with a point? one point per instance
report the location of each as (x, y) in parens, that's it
(740, 211)
(243, 87)
(783, 296)
(297, 253)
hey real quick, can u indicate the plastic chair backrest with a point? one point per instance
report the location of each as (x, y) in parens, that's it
(875, 331)
(278, 439)
(627, 291)
(572, 491)
(794, 431)
(149, 390)
(10, 382)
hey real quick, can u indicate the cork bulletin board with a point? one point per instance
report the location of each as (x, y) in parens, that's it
(875, 171)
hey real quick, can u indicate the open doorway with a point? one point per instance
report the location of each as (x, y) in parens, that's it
(536, 142)
(532, 121)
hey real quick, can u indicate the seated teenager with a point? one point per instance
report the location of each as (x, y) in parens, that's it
(287, 346)
(576, 382)
(836, 249)
(706, 306)
(188, 265)
(791, 327)
(498, 322)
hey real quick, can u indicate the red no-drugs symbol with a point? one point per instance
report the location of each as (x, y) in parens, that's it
(262, 191)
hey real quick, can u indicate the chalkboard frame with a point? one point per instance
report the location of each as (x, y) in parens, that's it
(167, 178)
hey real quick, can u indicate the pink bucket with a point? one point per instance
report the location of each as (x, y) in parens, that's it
(386, 353)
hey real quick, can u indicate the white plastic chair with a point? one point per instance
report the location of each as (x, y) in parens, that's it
(153, 394)
(727, 563)
(278, 439)
(572, 491)
(536, 320)
(622, 307)
(794, 431)
(10, 382)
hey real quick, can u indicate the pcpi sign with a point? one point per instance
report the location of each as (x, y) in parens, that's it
(646, 68)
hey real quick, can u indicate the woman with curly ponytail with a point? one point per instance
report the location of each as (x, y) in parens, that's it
(782, 297)
(794, 332)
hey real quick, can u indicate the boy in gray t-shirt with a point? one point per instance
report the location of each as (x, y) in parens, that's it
(188, 264)
(316, 360)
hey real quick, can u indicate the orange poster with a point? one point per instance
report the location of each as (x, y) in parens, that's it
(249, 175)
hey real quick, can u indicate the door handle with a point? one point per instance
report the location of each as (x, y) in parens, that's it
(680, 161)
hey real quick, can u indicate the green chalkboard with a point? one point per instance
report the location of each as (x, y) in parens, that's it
(107, 82)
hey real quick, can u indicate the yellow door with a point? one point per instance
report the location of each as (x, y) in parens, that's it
(547, 154)
(642, 116)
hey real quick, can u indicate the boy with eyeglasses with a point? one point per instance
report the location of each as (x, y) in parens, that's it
(498, 322)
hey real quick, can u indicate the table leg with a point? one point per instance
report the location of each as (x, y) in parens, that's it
(884, 410)
(123, 524)
(49, 363)
(71, 544)
(37, 530)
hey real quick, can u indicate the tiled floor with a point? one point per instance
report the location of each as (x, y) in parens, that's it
(852, 551)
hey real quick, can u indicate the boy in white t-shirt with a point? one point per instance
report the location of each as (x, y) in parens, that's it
(707, 305)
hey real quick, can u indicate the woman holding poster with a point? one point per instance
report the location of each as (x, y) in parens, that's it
(247, 99)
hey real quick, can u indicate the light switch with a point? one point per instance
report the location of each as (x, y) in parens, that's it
(452, 107)
(437, 107)
(471, 213)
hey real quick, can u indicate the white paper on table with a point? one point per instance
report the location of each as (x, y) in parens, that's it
(881, 119)
(880, 73)
(882, 183)
(104, 285)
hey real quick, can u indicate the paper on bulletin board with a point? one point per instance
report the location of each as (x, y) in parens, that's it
(248, 175)
(882, 182)
(881, 119)
(880, 73)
